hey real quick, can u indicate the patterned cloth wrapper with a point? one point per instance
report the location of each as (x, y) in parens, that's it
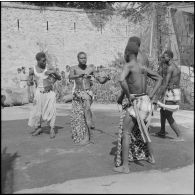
(137, 148)
(80, 131)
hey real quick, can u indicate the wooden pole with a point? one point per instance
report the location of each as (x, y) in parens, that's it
(151, 37)
(18, 24)
(74, 27)
(47, 26)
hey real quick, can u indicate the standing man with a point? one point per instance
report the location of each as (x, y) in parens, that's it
(44, 103)
(142, 59)
(136, 112)
(18, 77)
(67, 73)
(81, 120)
(23, 78)
(170, 94)
(31, 85)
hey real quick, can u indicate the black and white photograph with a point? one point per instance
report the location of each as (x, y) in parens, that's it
(97, 97)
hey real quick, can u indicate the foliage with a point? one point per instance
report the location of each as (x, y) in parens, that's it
(118, 61)
(72, 4)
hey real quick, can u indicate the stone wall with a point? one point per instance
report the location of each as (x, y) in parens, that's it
(62, 33)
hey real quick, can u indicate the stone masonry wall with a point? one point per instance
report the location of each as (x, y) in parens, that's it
(101, 36)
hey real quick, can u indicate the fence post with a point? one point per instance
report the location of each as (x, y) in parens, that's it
(47, 26)
(18, 23)
(74, 27)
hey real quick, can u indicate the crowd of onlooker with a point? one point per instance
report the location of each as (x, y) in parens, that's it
(63, 88)
(26, 80)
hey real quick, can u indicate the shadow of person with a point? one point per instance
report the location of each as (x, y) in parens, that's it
(154, 130)
(46, 129)
(7, 171)
(114, 149)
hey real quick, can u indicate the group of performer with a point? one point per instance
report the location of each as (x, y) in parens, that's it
(134, 142)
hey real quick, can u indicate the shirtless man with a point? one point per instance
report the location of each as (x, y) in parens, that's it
(133, 83)
(141, 57)
(82, 98)
(170, 94)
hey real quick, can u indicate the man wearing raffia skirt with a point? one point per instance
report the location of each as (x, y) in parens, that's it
(81, 118)
(170, 95)
(134, 142)
(44, 103)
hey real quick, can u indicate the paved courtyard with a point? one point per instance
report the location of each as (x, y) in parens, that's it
(43, 165)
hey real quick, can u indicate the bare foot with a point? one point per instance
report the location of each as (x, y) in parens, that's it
(121, 169)
(151, 159)
(178, 139)
(161, 134)
(52, 134)
(82, 143)
(38, 131)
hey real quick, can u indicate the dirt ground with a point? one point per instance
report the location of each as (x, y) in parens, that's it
(33, 162)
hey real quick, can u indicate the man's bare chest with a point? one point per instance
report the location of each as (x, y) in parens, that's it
(87, 71)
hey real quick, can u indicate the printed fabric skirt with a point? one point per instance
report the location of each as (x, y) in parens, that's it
(44, 108)
(138, 150)
(80, 131)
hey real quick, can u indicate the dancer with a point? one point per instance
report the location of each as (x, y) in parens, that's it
(44, 103)
(170, 95)
(81, 121)
(133, 139)
(142, 58)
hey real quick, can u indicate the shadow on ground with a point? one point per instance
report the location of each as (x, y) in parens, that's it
(44, 161)
(7, 171)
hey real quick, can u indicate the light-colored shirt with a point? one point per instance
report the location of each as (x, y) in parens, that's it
(40, 77)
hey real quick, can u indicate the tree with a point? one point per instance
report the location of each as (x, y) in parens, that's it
(72, 4)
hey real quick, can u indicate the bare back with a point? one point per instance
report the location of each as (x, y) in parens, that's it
(136, 79)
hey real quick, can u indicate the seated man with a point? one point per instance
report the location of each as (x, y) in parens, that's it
(133, 139)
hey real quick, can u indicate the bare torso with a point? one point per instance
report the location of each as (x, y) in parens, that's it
(174, 81)
(136, 79)
(83, 83)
